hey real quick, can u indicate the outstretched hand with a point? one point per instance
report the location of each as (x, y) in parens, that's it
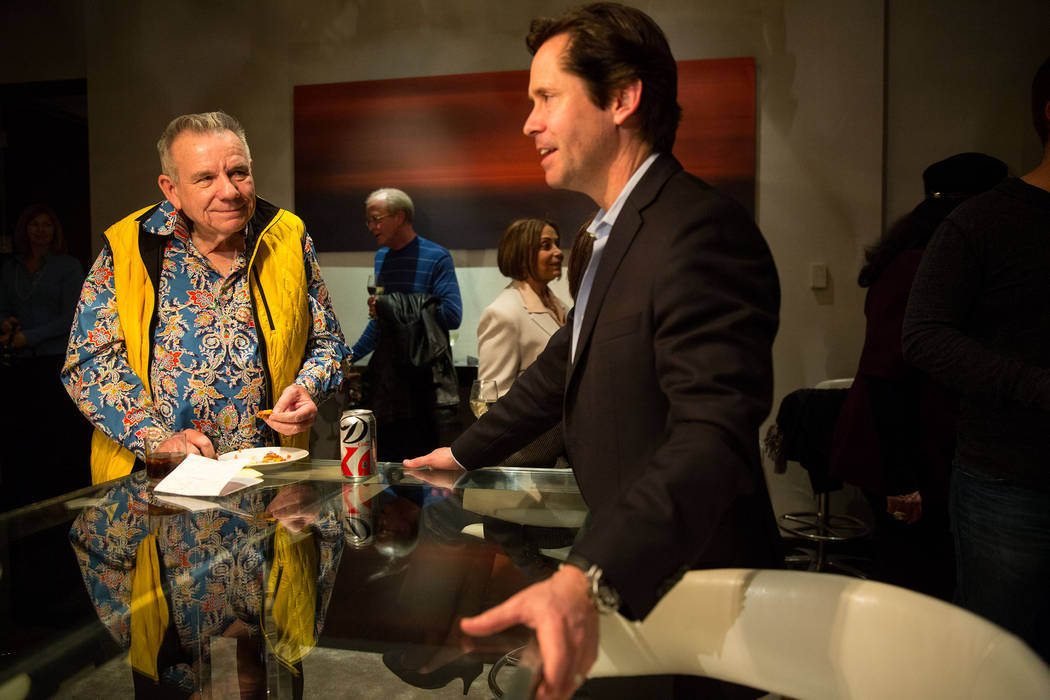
(441, 458)
(566, 626)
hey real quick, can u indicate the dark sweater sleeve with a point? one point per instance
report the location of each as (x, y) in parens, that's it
(938, 336)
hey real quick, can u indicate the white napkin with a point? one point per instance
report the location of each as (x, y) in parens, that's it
(200, 476)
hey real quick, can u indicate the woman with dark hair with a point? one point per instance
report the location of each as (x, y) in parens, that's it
(515, 327)
(896, 433)
(39, 287)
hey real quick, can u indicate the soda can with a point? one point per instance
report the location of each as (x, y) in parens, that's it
(359, 531)
(357, 437)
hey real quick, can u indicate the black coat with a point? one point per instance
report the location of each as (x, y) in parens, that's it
(662, 407)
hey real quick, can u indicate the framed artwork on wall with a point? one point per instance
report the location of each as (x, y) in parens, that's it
(454, 143)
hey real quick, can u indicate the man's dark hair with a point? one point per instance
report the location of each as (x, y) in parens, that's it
(1040, 96)
(609, 47)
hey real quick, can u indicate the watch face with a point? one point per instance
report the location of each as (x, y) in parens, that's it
(604, 597)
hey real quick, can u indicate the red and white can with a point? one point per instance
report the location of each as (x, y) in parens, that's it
(359, 528)
(357, 437)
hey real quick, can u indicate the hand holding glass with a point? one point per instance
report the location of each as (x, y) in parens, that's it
(483, 393)
(164, 451)
(375, 289)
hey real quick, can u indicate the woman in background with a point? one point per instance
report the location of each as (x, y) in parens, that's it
(896, 433)
(39, 288)
(515, 327)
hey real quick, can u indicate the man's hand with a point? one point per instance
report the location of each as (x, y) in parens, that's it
(443, 472)
(10, 333)
(295, 507)
(566, 626)
(294, 412)
(197, 443)
(906, 508)
(441, 458)
(371, 307)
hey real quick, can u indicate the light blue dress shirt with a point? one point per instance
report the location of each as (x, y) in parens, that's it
(600, 227)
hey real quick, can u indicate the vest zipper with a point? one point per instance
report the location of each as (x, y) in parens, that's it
(262, 294)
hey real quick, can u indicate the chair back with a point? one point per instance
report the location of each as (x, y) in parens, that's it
(821, 636)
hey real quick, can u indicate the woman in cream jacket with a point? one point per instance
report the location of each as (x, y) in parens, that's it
(516, 326)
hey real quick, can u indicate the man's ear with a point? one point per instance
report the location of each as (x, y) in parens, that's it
(626, 100)
(167, 186)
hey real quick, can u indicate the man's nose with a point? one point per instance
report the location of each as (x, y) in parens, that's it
(227, 190)
(532, 124)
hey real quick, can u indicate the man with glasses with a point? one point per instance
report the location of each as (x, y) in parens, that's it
(411, 382)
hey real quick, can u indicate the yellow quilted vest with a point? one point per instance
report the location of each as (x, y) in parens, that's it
(277, 280)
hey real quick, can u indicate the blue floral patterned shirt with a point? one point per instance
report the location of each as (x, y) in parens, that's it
(207, 372)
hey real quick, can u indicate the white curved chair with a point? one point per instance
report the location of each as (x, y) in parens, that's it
(819, 636)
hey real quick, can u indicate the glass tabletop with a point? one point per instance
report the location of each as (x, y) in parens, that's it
(306, 585)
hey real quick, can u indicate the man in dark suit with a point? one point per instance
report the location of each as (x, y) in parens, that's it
(664, 372)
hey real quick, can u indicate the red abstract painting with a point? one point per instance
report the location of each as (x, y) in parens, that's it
(455, 144)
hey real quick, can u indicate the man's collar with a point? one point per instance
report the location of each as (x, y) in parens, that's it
(603, 221)
(165, 220)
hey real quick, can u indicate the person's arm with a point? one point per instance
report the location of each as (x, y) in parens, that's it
(531, 407)
(446, 288)
(7, 271)
(367, 342)
(96, 373)
(70, 279)
(935, 337)
(322, 372)
(499, 348)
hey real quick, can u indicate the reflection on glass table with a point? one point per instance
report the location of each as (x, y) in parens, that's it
(259, 589)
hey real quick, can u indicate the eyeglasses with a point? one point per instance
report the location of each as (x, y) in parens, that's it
(373, 220)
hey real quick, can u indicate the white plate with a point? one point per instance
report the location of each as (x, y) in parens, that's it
(252, 456)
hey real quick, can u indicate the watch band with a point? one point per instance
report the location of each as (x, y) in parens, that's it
(602, 595)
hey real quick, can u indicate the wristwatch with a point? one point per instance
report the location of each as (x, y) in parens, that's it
(601, 593)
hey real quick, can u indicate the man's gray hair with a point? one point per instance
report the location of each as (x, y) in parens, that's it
(202, 123)
(395, 201)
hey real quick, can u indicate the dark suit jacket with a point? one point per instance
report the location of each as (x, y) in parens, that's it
(662, 407)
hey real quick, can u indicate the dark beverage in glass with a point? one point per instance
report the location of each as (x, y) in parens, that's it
(160, 464)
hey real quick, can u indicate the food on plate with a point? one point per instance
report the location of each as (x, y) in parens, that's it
(273, 458)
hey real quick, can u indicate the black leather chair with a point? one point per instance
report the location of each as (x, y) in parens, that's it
(803, 433)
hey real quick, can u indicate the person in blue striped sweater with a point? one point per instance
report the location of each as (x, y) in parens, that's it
(415, 274)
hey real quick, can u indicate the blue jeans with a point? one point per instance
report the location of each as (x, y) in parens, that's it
(1002, 542)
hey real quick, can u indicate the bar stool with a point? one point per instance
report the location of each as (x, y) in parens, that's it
(803, 433)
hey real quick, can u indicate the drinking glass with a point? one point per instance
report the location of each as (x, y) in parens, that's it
(165, 450)
(483, 393)
(375, 285)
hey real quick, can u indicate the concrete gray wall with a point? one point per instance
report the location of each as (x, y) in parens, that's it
(853, 98)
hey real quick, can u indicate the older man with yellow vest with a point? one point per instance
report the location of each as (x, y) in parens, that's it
(201, 311)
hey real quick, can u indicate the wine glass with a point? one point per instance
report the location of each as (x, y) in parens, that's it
(375, 285)
(483, 393)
